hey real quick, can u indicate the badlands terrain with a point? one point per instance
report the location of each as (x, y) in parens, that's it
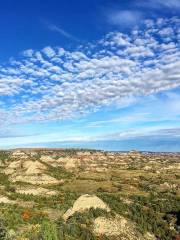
(56, 194)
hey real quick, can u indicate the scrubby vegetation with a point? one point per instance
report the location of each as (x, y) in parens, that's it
(3, 230)
(143, 189)
(4, 156)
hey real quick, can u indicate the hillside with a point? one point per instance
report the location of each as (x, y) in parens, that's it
(57, 194)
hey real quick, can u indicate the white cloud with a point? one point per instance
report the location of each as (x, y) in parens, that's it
(124, 17)
(149, 133)
(49, 52)
(161, 3)
(53, 83)
(28, 53)
(61, 31)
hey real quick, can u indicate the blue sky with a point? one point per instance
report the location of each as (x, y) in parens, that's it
(101, 74)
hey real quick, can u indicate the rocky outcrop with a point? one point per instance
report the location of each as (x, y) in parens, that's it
(118, 226)
(29, 171)
(85, 202)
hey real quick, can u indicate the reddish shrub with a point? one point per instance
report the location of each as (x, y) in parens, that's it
(26, 215)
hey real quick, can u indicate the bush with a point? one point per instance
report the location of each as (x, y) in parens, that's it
(12, 216)
(73, 230)
(4, 155)
(48, 230)
(58, 172)
(3, 230)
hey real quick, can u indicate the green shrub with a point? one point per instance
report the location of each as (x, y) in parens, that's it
(73, 230)
(3, 230)
(12, 216)
(48, 230)
(114, 202)
(4, 155)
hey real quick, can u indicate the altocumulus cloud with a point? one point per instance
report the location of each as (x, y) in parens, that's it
(54, 83)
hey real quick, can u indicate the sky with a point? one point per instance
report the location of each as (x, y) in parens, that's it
(98, 74)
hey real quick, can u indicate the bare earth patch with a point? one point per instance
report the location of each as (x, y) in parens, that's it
(4, 199)
(29, 171)
(36, 179)
(85, 202)
(118, 226)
